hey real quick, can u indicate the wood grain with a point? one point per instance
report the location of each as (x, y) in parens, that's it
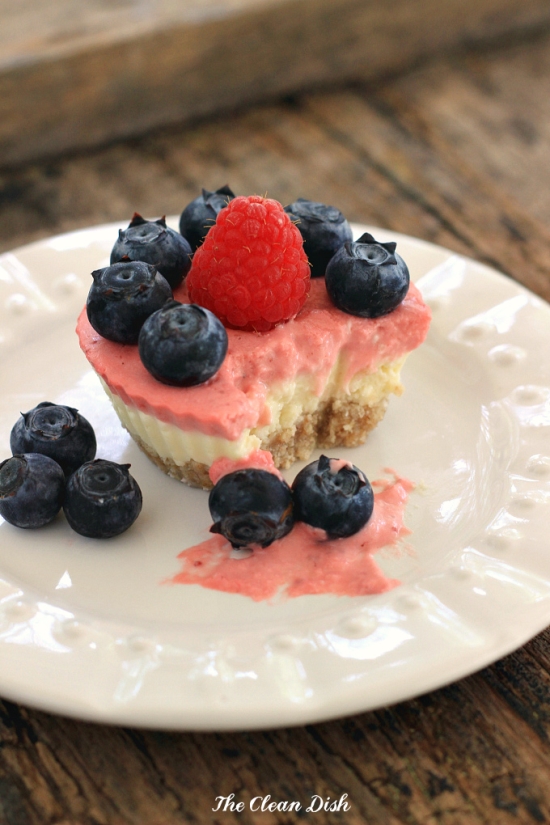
(76, 74)
(457, 152)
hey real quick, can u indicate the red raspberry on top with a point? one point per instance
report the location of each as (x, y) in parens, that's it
(251, 271)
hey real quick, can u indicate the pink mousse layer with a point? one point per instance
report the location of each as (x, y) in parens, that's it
(235, 398)
(304, 562)
(258, 459)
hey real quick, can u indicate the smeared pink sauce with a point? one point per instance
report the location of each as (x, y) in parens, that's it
(235, 398)
(337, 464)
(258, 460)
(304, 562)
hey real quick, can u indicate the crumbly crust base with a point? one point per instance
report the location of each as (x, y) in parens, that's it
(341, 422)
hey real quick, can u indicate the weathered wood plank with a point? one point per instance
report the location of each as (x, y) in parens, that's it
(79, 74)
(381, 155)
(460, 756)
(430, 172)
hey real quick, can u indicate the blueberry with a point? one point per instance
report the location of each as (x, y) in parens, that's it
(122, 296)
(56, 431)
(367, 278)
(32, 487)
(154, 243)
(102, 499)
(251, 507)
(324, 230)
(199, 215)
(333, 495)
(182, 344)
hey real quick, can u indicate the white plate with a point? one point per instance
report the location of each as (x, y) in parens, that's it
(88, 628)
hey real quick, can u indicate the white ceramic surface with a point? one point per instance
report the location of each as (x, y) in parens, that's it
(89, 629)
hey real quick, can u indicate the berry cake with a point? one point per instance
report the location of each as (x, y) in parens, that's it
(295, 367)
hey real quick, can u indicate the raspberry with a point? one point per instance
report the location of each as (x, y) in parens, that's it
(251, 271)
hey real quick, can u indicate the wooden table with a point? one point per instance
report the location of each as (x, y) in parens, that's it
(457, 152)
(77, 73)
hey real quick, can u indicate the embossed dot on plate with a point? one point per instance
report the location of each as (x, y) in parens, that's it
(471, 332)
(459, 572)
(284, 643)
(529, 395)
(502, 540)
(70, 631)
(67, 284)
(17, 304)
(506, 355)
(357, 627)
(438, 302)
(539, 465)
(20, 611)
(523, 504)
(140, 644)
(409, 602)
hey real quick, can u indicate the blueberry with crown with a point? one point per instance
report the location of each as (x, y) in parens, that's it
(153, 242)
(324, 230)
(251, 506)
(199, 215)
(102, 499)
(57, 431)
(123, 296)
(32, 488)
(334, 496)
(182, 344)
(367, 278)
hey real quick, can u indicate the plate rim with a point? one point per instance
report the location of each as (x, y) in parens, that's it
(297, 714)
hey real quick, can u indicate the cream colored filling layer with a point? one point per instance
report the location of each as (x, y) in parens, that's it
(287, 404)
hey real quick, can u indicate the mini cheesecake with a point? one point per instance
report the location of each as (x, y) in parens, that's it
(320, 380)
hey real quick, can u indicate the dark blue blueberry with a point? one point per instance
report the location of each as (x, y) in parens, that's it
(56, 431)
(367, 278)
(333, 495)
(251, 507)
(199, 215)
(102, 499)
(32, 487)
(154, 243)
(122, 296)
(182, 344)
(324, 230)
